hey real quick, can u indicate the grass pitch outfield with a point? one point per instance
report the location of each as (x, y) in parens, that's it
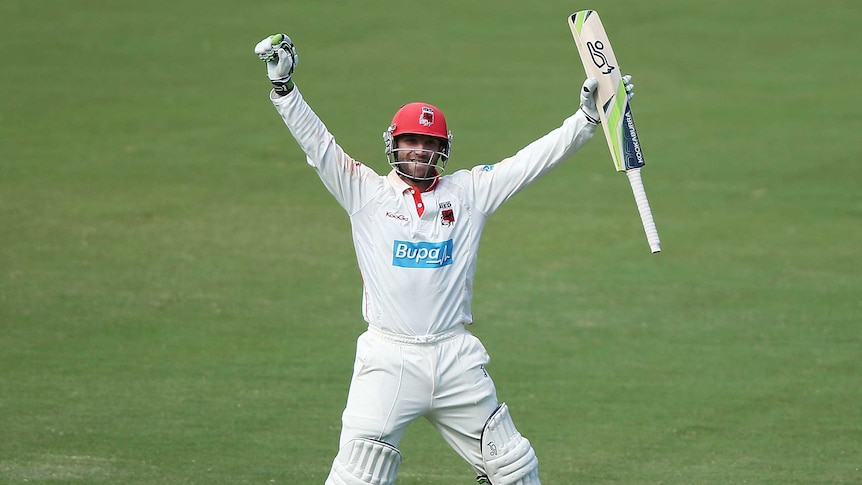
(179, 298)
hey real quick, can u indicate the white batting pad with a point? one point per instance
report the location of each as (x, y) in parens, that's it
(509, 457)
(365, 462)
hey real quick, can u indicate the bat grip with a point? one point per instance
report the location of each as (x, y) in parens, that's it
(639, 192)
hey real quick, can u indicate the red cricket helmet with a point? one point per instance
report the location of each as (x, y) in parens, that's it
(418, 119)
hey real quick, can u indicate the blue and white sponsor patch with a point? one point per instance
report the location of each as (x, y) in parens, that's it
(422, 254)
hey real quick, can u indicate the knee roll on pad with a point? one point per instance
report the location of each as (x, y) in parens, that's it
(365, 462)
(509, 458)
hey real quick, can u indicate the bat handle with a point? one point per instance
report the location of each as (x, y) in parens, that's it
(639, 192)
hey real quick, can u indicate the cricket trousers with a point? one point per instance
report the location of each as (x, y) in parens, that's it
(397, 379)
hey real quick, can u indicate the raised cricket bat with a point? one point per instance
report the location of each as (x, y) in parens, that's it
(614, 110)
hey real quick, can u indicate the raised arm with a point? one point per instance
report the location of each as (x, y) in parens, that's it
(345, 178)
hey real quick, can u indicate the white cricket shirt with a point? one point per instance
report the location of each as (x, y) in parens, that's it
(417, 271)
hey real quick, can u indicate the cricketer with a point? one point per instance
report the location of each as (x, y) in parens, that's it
(416, 233)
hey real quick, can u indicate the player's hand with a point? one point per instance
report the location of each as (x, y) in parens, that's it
(281, 59)
(630, 87)
(588, 96)
(588, 100)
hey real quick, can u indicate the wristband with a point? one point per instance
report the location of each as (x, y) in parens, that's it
(283, 88)
(590, 118)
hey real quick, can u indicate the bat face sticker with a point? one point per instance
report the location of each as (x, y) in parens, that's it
(599, 58)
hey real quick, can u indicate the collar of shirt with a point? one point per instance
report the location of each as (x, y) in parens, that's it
(403, 187)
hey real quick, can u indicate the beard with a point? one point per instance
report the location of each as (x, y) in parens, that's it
(417, 171)
(423, 168)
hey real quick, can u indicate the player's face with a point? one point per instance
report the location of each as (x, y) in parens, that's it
(418, 154)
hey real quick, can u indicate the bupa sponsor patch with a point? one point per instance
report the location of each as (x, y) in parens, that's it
(408, 254)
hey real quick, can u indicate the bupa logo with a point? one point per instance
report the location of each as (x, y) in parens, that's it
(422, 255)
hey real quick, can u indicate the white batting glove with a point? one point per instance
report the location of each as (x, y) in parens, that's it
(281, 59)
(588, 97)
(588, 100)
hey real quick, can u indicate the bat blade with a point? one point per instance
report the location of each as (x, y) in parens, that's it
(600, 63)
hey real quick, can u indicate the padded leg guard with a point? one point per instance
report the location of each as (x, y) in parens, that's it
(365, 462)
(509, 457)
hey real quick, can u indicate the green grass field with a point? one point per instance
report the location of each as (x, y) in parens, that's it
(179, 298)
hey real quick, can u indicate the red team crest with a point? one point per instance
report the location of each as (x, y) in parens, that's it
(426, 117)
(447, 215)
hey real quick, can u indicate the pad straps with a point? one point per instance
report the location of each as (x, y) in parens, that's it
(365, 462)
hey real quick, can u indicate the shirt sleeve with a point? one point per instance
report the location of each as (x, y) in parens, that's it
(495, 184)
(344, 177)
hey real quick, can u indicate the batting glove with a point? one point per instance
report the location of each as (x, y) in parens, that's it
(630, 87)
(281, 59)
(588, 97)
(588, 100)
